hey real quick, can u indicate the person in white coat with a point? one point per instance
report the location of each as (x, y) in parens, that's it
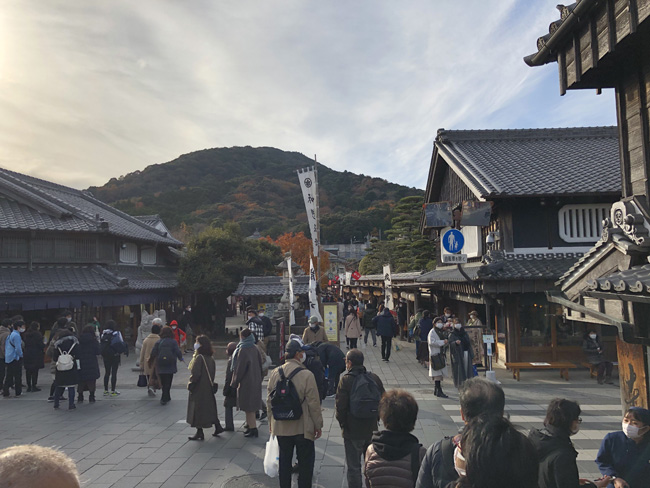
(352, 328)
(437, 357)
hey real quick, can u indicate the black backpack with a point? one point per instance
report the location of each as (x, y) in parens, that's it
(364, 397)
(166, 356)
(285, 401)
(105, 342)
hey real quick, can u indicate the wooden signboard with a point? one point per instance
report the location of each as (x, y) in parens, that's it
(331, 323)
(632, 375)
(476, 337)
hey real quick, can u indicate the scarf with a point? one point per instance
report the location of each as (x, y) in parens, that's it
(243, 344)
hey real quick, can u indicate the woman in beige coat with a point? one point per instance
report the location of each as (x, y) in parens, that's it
(145, 354)
(352, 328)
(247, 379)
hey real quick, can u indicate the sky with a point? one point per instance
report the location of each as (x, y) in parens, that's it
(91, 90)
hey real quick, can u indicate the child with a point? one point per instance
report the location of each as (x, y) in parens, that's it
(230, 393)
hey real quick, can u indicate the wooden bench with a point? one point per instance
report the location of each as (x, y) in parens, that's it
(562, 366)
(593, 368)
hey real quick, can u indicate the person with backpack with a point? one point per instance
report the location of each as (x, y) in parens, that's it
(369, 313)
(165, 353)
(394, 456)
(87, 352)
(66, 373)
(386, 329)
(296, 420)
(357, 411)
(112, 347)
(477, 396)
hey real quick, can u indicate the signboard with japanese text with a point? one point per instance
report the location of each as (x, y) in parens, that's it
(330, 322)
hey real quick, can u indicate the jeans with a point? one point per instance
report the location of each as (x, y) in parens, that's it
(111, 363)
(32, 377)
(166, 384)
(59, 393)
(353, 343)
(306, 455)
(374, 336)
(14, 377)
(354, 450)
(386, 342)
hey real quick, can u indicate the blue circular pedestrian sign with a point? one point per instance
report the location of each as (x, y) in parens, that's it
(453, 241)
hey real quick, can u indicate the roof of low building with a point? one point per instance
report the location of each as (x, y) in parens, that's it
(28, 203)
(406, 276)
(534, 162)
(270, 286)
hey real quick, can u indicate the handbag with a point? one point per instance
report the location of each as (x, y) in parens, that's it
(272, 457)
(215, 386)
(142, 381)
(438, 361)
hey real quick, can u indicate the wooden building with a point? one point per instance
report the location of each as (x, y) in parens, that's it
(548, 190)
(606, 44)
(61, 248)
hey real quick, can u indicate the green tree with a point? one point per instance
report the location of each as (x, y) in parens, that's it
(404, 248)
(216, 261)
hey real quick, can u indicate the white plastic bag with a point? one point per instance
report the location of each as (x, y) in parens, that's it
(272, 457)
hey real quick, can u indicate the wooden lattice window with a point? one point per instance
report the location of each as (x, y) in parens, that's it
(582, 223)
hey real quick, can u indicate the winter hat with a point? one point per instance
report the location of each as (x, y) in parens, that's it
(173, 322)
(292, 348)
(313, 319)
(296, 337)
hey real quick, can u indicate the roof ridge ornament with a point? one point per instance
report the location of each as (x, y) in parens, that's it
(627, 219)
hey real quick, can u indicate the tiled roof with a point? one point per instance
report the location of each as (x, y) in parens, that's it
(19, 280)
(635, 280)
(509, 267)
(407, 276)
(527, 162)
(270, 286)
(28, 203)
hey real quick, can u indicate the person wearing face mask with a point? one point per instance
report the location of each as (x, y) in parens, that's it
(179, 336)
(625, 455)
(255, 324)
(247, 374)
(437, 364)
(460, 348)
(424, 327)
(299, 434)
(352, 328)
(314, 333)
(14, 360)
(594, 352)
(556, 454)
(267, 328)
(185, 324)
(201, 403)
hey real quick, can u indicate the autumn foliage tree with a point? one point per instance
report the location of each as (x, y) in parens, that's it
(301, 251)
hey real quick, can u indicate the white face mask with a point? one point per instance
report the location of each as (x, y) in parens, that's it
(593, 336)
(459, 462)
(261, 314)
(196, 346)
(447, 315)
(439, 325)
(21, 330)
(631, 431)
(303, 356)
(457, 326)
(173, 327)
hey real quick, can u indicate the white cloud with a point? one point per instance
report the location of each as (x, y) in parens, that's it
(92, 90)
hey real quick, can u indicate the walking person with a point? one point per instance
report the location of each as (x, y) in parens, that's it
(201, 403)
(66, 372)
(555, 451)
(146, 367)
(437, 357)
(299, 434)
(5, 329)
(357, 411)
(165, 353)
(461, 354)
(352, 328)
(34, 359)
(87, 353)
(229, 393)
(386, 329)
(112, 347)
(594, 351)
(14, 360)
(370, 327)
(625, 455)
(393, 458)
(333, 360)
(314, 333)
(424, 327)
(247, 379)
(179, 334)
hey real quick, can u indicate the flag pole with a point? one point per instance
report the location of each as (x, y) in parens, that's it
(317, 222)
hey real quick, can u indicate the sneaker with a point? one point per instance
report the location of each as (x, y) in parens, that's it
(50, 399)
(374, 345)
(56, 407)
(106, 393)
(34, 389)
(150, 392)
(18, 395)
(331, 395)
(72, 407)
(115, 393)
(29, 389)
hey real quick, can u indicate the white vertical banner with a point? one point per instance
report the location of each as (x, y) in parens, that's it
(348, 278)
(388, 288)
(309, 186)
(292, 313)
(313, 297)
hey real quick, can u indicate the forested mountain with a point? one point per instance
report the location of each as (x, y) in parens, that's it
(258, 188)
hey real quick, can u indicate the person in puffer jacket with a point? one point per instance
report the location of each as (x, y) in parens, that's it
(394, 456)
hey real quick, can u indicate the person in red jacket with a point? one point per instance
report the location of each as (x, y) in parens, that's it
(179, 335)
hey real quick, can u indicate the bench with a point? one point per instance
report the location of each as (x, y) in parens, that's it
(562, 366)
(593, 368)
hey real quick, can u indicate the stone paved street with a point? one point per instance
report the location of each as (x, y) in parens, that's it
(132, 440)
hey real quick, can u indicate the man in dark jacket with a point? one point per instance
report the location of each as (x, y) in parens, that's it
(368, 315)
(313, 364)
(477, 396)
(356, 432)
(386, 329)
(333, 358)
